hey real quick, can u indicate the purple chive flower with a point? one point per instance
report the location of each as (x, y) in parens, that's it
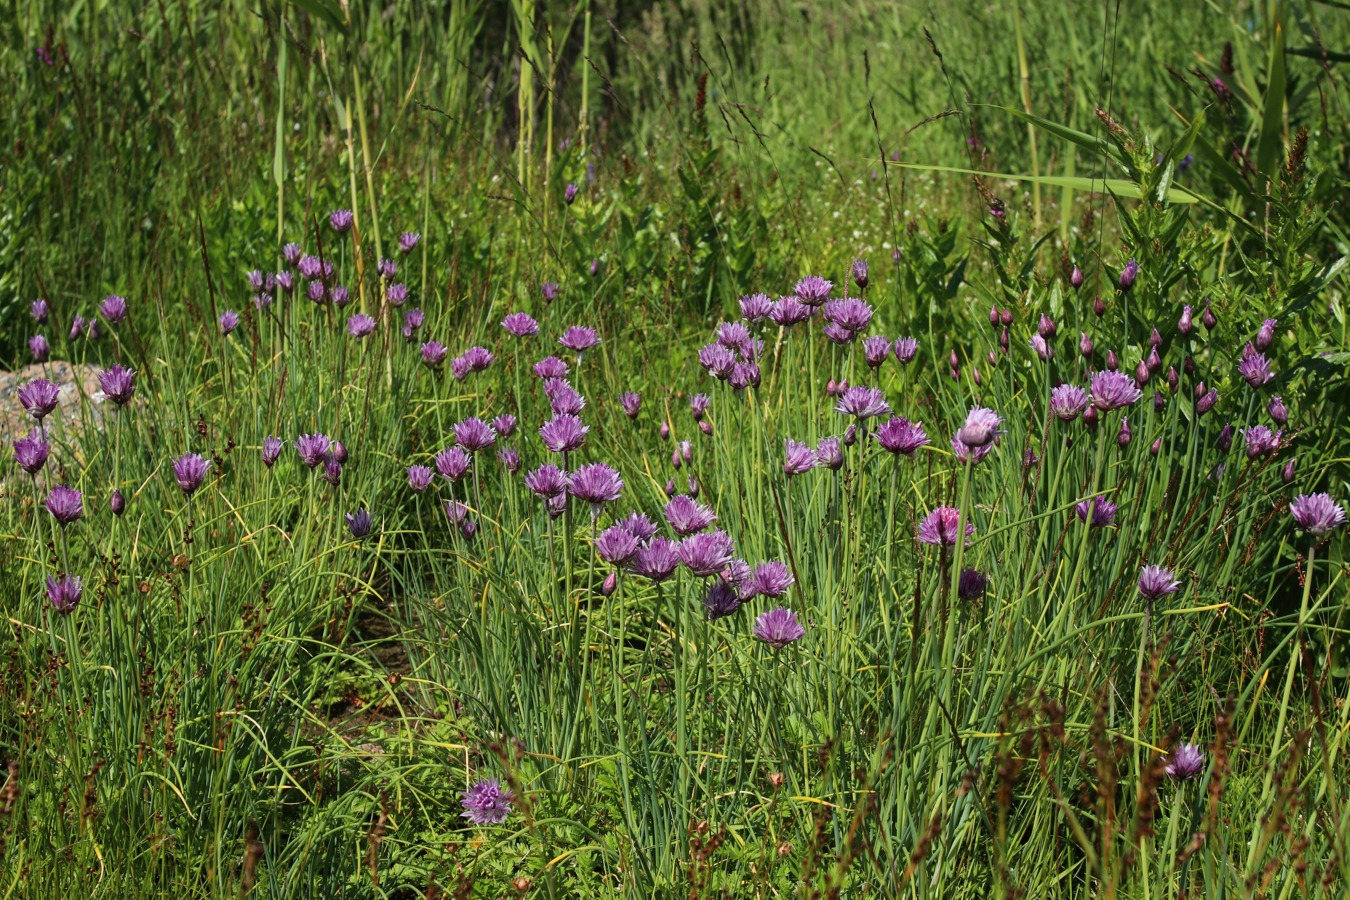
(720, 601)
(1042, 349)
(65, 504)
(474, 434)
(980, 428)
(313, 448)
(657, 560)
(639, 526)
(1128, 275)
(520, 324)
(76, 327)
(829, 454)
(341, 220)
(189, 470)
(316, 291)
(632, 403)
(504, 425)
(118, 384)
(31, 452)
(813, 290)
(595, 484)
(38, 346)
(271, 450)
(744, 375)
(939, 527)
(63, 593)
(732, 334)
(772, 579)
(114, 308)
(547, 481)
(292, 253)
(1225, 438)
(875, 349)
(837, 334)
(433, 353)
(40, 311)
(717, 359)
(386, 268)
(419, 478)
(262, 301)
(1097, 512)
(563, 399)
(849, 313)
(569, 193)
(1277, 411)
(486, 803)
(94, 331)
(360, 325)
(971, 584)
(39, 397)
(412, 321)
(229, 321)
(616, 545)
(1255, 369)
(396, 294)
(359, 522)
(799, 458)
(453, 463)
(1067, 402)
(341, 296)
(1185, 763)
(407, 241)
(905, 349)
(779, 627)
(859, 269)
(687, 517)
(456, 512)
(550, 291)
(1260, 440)
(899, 435)
(863, 402)
(479, 358)
(459, 368)
(1316, 514)
(707, 553)
(563, 433)
(550, 367)
(509, 458)
(1156, 582)
(698, 405)
(789, 311)
(1266, 335)
(1114, 390)
(756, 307)
(965, 453)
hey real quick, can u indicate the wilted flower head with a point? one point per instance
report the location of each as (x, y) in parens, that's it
(358, 523)
(687, 517)
(563, 433)
(63, 592)
(65, 504)
(631, 402)
(114, 308)
(312, 448)
(813, 290)
(595, 484)
(453, 463)
(875, 349)
(789, 311)
(756, 307)
(899, 435)
(616, 545)
(905, 349)
(1114, 390)
(772, 578)
(31, 452)
(486, 803)
(1255, 369)
(1184, 763)
(520, 324)
(940, 527)
(1156, 582)
(863, 402)
(718, 359)
(1260, 440)
(118, 383)
(1098, 512)
(39, 397)
(799, 458)
(657, 559)
(1067, 401)
(779, 627)
(1316, 514)
(360, 325)
(341, 220)
(189, 470)
(707, 553)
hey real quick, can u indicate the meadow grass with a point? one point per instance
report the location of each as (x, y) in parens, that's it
(262, 693)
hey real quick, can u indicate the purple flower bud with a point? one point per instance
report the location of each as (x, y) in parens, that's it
(1085, 345)
(509, 458)
(1156, 447)
(1207, 318)
(1046, 328)
(1207, 402)
(610, 584)
(359, 522)
(1184, 324)
(1277, 411)
(77, 326)
(1128, 275)
(1043, 350)
(860, 273)
(1112, 361)
(1090, 418)
(993, 315)
(705, 426)
(1173, 380)
(570, 194)
(1141, 373)
(595, 267)
(670, 488)
(386, 268)
(407, 241)
(1159, 401)
(1076, 278)
(1287, 473)
(1098, 307)
(1266, 335)
(1124, 436)
(664, 430)
(117, 503)
(1006, 317)
(1154, 361)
